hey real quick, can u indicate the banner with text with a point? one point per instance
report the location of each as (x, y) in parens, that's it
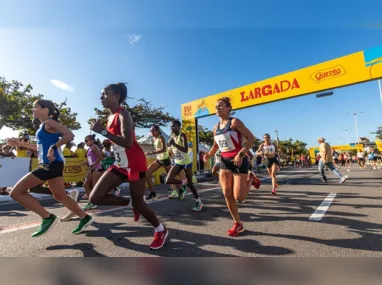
(351, 69)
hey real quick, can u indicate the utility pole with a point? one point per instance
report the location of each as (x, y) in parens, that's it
(277, 137)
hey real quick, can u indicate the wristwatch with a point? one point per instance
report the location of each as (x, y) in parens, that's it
(104, 133)
(241, 154)
(53, 146)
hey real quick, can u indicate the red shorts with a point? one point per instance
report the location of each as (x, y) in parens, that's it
(126, 175)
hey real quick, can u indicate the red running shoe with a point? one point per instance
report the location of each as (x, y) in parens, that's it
(137, 215)
(236, 229)
(274, 192)
(159, 239)
(256, 181)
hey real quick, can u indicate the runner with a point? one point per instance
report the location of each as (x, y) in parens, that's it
(228, 137)
(269, 151)
(361, 158)
(51, 165)
(163, 160)
(327, 160)
(94, 158)
(130, 165)
(179, 146)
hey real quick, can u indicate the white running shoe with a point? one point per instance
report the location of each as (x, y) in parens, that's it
(343, 179)
(74, 195)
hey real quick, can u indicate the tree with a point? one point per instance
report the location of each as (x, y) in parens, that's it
(144, 114)
(206, 136)
(289, 146)
(16, 104)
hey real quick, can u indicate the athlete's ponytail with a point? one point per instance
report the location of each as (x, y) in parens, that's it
(54, 113)
(227, 102)
(119, 88)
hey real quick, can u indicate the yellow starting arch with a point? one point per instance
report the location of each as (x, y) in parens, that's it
(351, 69)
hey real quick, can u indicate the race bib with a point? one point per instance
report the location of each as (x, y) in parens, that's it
(178, 155)
(40, 153)
(90, 162)
(225, 143)
(121, 160)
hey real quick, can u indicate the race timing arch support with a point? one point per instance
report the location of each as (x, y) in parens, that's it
(351, 69)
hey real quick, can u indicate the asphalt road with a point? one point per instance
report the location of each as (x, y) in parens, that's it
(275, 226)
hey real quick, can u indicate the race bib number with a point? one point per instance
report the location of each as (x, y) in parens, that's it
(225, 143)
(178, 155)
(90, 162)
(40, 153)
(120, 157)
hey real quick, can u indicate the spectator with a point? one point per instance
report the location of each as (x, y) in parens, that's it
(106, 149)
(80, 151)
(67, 150)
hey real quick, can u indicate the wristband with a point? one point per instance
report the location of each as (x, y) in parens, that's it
(53, 146)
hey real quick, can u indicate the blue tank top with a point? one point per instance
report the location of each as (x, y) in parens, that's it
(44, 141)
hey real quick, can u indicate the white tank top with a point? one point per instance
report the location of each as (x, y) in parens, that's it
(269, 149)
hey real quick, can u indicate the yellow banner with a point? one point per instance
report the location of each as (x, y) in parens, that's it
(351, 69)
(74, 171)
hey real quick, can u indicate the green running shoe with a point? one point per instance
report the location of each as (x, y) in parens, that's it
(198, 207)
(183, 192)
(45, 226)
(174, 195)
(83, 224)
(89, 206)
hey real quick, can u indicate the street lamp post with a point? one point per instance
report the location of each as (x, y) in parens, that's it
(277, 137)
(356, 124)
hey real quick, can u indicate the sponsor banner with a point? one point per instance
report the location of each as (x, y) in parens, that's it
(11, 170)
(74, 171)
(351, 69)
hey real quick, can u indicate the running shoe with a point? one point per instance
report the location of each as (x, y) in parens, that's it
(45, 226)
(137, 215)
(74, 194)
(236, 229)
(83, 224)
(159, 239)
(89, 206)
(68, 217)
(85, 197)
(174, 195)
(183, 193)
(241, 202)
(198, 206)
(117, 191)
(343, 179)
(152, 196)
(255, 182)
(274, 193)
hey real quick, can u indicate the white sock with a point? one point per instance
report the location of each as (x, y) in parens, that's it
(198, 200)
(160, 228)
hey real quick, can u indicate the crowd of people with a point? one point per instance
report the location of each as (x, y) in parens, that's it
(119, 158)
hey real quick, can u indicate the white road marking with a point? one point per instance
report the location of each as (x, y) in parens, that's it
(321, 210)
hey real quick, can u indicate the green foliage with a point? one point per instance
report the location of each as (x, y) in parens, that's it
(144, 114)
(16, 104)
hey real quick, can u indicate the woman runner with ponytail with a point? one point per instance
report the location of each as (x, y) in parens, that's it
(50, 137)
(130, 162)
(234, 174)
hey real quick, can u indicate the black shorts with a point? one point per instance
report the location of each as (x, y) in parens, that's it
(270, 161)
(47, 172)
(164, 162)
(375, 158)
(127, 177)
(227, 163)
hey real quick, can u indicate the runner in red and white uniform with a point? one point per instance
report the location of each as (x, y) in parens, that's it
(130, 162)
(234, 177)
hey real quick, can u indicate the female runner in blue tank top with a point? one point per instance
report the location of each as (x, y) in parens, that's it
(50, 137)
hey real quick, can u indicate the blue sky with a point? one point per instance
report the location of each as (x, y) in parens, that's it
(188, 51)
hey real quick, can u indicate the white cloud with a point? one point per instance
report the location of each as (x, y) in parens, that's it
(134, 38)
(62, 85)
